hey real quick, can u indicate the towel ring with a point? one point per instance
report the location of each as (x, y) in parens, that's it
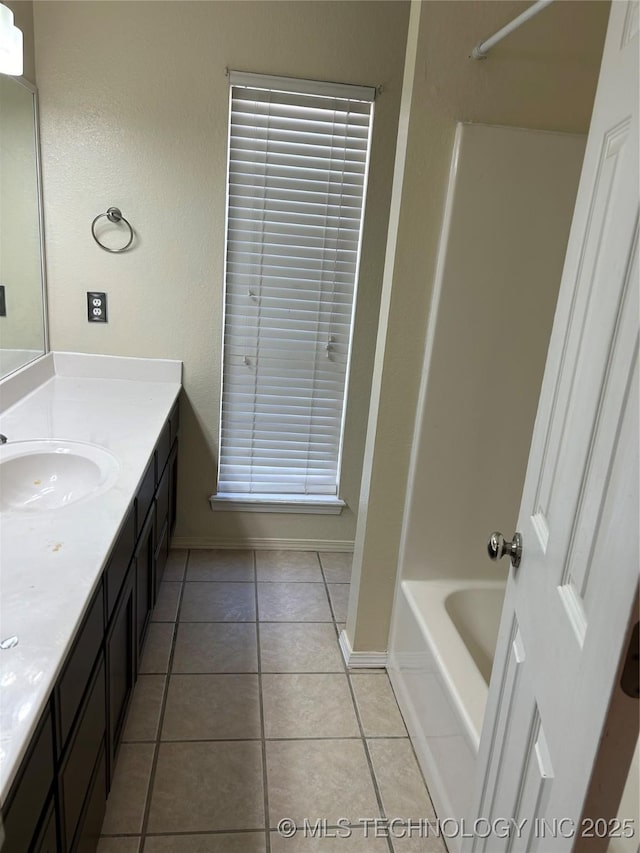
(113, 214)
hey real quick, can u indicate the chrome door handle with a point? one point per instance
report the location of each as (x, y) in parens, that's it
(497, 547)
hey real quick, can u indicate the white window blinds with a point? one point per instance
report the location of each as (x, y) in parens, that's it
(298, 158)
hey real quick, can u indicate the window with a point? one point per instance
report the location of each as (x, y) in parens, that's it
(297, 174)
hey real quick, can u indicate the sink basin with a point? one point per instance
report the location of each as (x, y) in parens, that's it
(47, 474)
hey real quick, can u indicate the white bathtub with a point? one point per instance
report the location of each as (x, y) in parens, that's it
(442, 643)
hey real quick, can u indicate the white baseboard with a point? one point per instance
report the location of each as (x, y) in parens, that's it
(264, 544)
(360, 660)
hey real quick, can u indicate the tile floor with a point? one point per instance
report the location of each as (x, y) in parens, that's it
(244, 715)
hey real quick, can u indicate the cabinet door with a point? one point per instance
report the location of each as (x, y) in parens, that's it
(162, 552)
(145, 573)
(144, 497)
(162, 526)
(119, 560)
(121, 658)
(174, 420)
(162, 503)
(163, 449)
(172, 465)
(88, 835)
(76, 773)
(29, 793)
(74, 680)
(47, 841)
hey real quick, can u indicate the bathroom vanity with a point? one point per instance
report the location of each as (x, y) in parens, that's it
(79, 577)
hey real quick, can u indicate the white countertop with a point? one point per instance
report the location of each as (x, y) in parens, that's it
(50, 562)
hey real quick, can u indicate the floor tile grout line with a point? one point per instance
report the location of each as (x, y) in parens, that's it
(252, 622)
(244, 831)
(163, 707)
(251, 671)
(205, 832)
(263, 739)
(259, 580)
(415, 756)
(326, 589)
(263, 745)
(269, 739)
(187, 832)
(413, 749)
(336, 621)
(356, 710)
(357, 713)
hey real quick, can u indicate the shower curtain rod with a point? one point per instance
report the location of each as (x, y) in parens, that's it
(481, 50)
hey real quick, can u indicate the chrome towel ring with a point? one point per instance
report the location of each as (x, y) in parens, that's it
(113, 214)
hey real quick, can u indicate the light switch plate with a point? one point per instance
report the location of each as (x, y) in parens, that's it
(96, 307)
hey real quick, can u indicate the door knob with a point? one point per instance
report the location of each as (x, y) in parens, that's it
(497, 546)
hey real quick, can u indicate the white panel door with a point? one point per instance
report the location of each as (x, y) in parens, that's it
(569, 604)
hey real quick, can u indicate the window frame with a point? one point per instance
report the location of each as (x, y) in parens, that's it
(295, 502)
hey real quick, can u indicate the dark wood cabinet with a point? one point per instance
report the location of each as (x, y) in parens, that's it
(120, 560)
(88, 834)
(78, 764)
(161, 555)
(145, 495)
(161, 527)
(47, 840)
(80, 662)
(163, 449)
(57, 801)
(173, 487)
(27, 800)
(145, 577)
(120, 648)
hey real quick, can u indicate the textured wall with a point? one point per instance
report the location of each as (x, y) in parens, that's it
(543, 76)
(134, 111)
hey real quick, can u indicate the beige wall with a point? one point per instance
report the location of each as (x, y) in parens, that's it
(134, 109)
(543, 77)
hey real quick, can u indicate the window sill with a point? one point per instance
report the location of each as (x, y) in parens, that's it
(307, 504)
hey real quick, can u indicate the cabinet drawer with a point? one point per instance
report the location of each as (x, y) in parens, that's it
(87, 837)
(145, 495)
(172, 467)
(120, 652)
(174, 420)
(77, 770)
(29, 793)
(162, 502)
(162, 552)
(119, 560)
(75, 675)
(145, 585)
(47, 841)
(162, 450)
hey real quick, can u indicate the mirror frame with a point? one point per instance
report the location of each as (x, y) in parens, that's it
(32, 88)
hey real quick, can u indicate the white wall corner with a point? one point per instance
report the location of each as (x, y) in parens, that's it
(402, 140)
(360, 660)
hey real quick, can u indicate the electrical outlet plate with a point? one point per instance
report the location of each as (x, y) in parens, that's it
(96, 307)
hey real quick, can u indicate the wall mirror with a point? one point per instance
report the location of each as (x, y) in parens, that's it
(23, 327)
